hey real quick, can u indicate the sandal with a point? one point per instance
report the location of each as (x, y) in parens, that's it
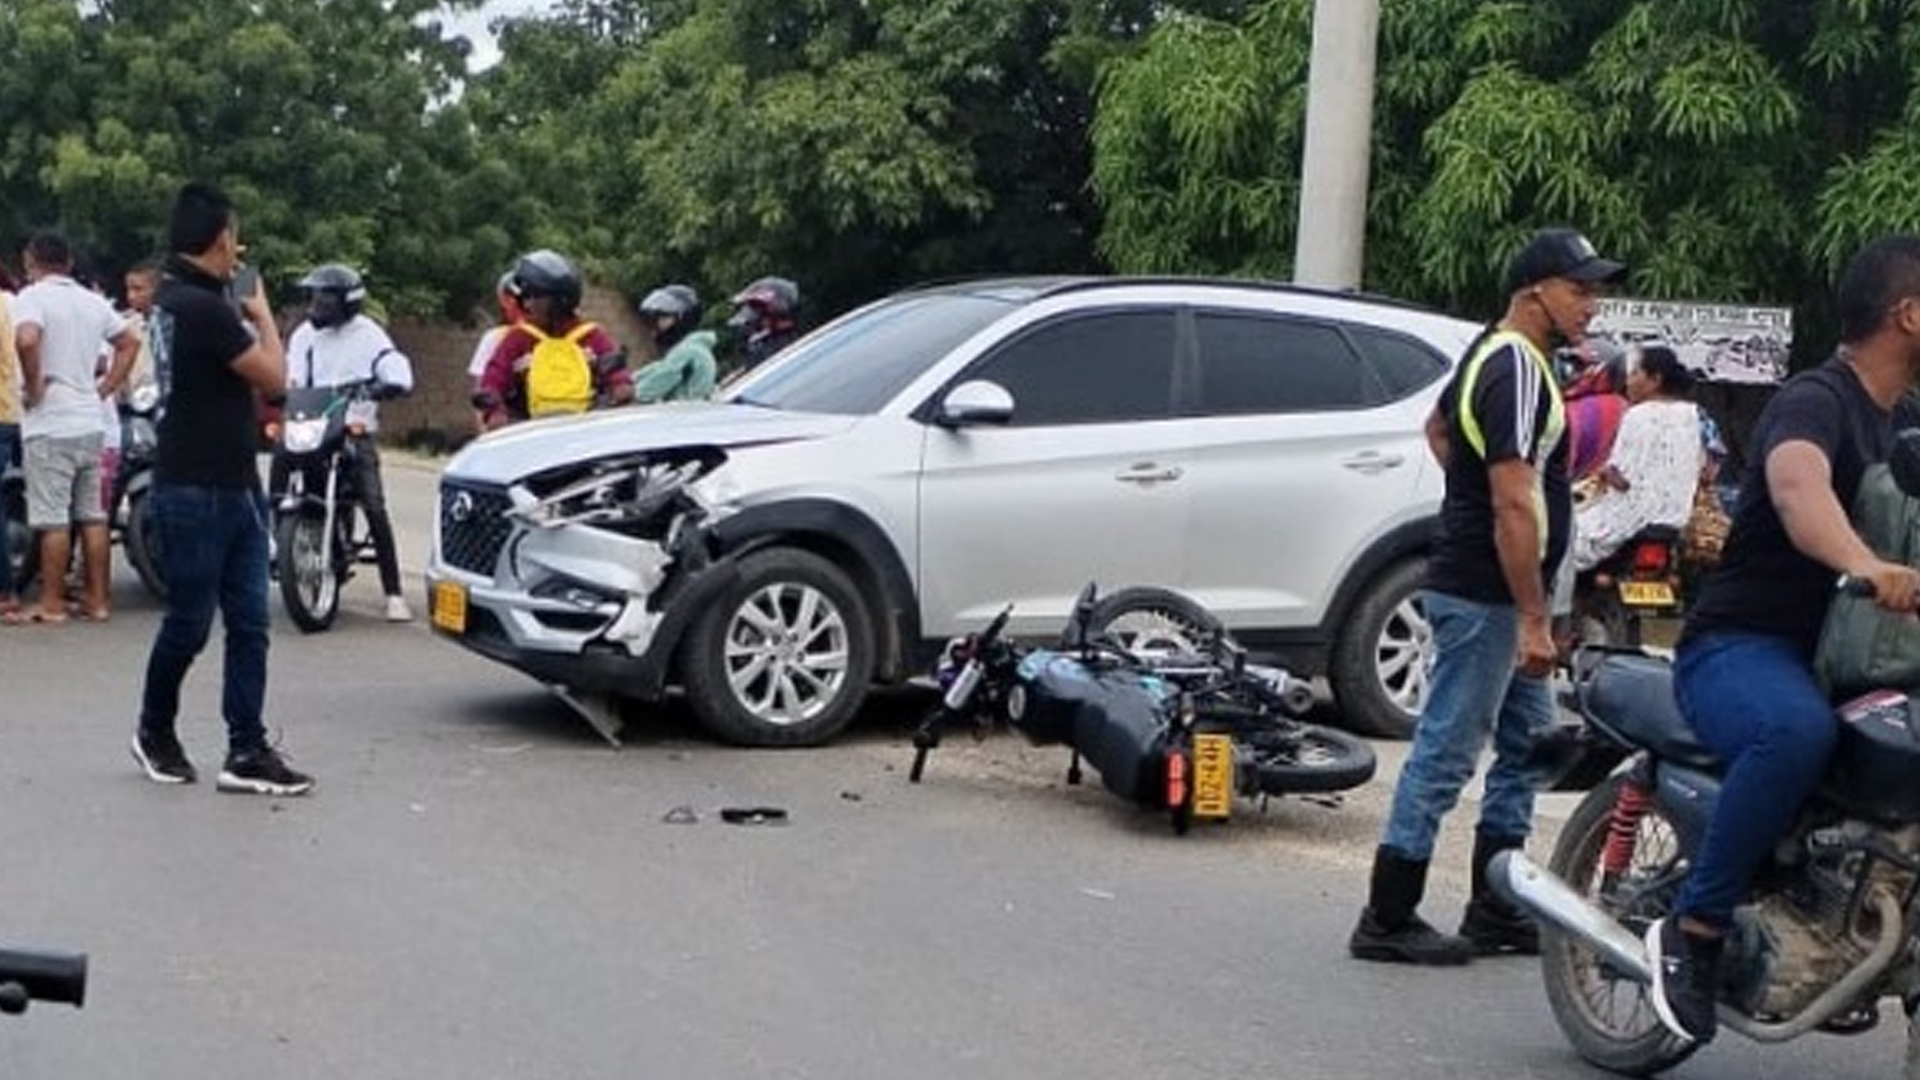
(32, 617)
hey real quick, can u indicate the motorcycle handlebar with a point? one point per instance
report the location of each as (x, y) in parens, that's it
(1849, 585)
(27, 976)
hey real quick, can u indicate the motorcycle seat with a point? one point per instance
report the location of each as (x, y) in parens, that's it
(1630, 695)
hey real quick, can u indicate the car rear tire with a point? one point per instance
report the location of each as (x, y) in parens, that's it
(1383, 659)
(784, 657)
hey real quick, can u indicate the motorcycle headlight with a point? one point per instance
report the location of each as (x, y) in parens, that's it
(304, 436)
(145, 397)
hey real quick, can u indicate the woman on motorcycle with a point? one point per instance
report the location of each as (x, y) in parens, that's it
(1655, 463)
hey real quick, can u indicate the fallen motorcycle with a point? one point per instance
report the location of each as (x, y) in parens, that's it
(1151, 691)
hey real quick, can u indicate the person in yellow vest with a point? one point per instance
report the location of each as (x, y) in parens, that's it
(1500, 433)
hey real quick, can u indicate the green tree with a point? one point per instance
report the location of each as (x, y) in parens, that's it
(1731, 149)
(335, 125)
(852, 145)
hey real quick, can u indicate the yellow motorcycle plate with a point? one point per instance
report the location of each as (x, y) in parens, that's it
(450, 607)
(1212, 776)
(1647, 594)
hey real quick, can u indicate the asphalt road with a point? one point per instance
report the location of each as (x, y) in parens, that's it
(480, 888)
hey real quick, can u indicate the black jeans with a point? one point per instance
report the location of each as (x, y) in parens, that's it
(213, 553)
(364, 476)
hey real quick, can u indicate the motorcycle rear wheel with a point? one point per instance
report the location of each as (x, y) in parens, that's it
(1304, 759)
(23, 552)
(1607, 1017)
(309, 586)
(142, 543)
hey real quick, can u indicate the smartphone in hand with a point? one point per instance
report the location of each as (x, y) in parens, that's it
(246, 278)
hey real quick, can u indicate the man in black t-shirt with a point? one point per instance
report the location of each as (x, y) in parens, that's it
(1744, 675)
(1500, 432)
(208, 511)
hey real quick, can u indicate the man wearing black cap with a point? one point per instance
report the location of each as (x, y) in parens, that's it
(1743, 674)
(1499, 431)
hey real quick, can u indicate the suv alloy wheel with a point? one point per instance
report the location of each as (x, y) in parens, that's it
(785, 657)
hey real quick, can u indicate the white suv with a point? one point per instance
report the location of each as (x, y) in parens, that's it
(898, 476)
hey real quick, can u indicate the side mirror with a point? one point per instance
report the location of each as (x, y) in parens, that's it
(976, 402)
(1904, 462)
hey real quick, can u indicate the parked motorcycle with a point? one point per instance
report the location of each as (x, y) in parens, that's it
(320, 534)
(133, 483)
(30, 976)
(1832, 923)
(1149, 689)
(1639, 581)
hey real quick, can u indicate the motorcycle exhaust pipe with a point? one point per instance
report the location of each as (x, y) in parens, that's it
(1553, 901)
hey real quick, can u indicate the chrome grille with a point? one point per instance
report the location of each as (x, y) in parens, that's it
(473, 526)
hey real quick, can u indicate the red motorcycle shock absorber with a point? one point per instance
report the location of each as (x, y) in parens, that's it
(1623, 826)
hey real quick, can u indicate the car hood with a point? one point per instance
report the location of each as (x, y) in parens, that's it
(524, 449)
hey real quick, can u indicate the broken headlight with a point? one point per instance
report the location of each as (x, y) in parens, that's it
(614, 493)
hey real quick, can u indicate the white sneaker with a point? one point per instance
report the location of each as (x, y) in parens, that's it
(397, 609)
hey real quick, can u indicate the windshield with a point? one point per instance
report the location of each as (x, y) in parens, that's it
(857, 365)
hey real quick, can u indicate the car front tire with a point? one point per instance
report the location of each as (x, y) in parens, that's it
(1383, 659)
(784, 657)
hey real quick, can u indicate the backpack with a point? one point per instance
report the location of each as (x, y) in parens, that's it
(1862, 647)
(559, 372)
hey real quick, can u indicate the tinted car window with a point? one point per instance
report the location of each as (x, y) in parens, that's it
(1403, 364)
(1258, 364)
(858, 365)
(1088, 369)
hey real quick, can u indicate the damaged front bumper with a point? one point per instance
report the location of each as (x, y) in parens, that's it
(587, 584)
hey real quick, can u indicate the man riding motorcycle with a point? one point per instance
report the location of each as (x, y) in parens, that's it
(766, 312)
(339, 345)
(512, 388)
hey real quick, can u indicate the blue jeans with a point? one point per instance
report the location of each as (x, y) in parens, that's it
(213, 550)
(1753, 700)
(9, 453)
(1478, 693)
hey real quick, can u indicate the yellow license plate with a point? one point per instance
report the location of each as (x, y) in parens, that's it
(1212, 776)
(450, 607)
(1646, 594)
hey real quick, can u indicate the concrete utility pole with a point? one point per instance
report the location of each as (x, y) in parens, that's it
(1339, 144)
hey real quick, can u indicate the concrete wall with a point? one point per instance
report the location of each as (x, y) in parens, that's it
(437, 416)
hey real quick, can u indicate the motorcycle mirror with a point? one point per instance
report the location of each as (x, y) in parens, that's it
(1905, 462)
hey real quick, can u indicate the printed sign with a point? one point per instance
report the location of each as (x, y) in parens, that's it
(1719, 342)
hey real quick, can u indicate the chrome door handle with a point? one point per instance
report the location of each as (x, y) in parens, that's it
(1374, 462)
(1148, 473)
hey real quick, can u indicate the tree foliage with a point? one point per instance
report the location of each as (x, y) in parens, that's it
(1731, 149)
(331, 123)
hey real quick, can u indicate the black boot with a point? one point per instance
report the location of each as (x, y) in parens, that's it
(1493, 925)
(1389, 929)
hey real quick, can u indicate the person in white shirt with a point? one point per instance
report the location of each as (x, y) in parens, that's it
(60, 327)
(339, 345)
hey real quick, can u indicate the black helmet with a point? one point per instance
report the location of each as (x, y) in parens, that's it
(677, 302)
(547, 273)
(771, 300)
(335, 294)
